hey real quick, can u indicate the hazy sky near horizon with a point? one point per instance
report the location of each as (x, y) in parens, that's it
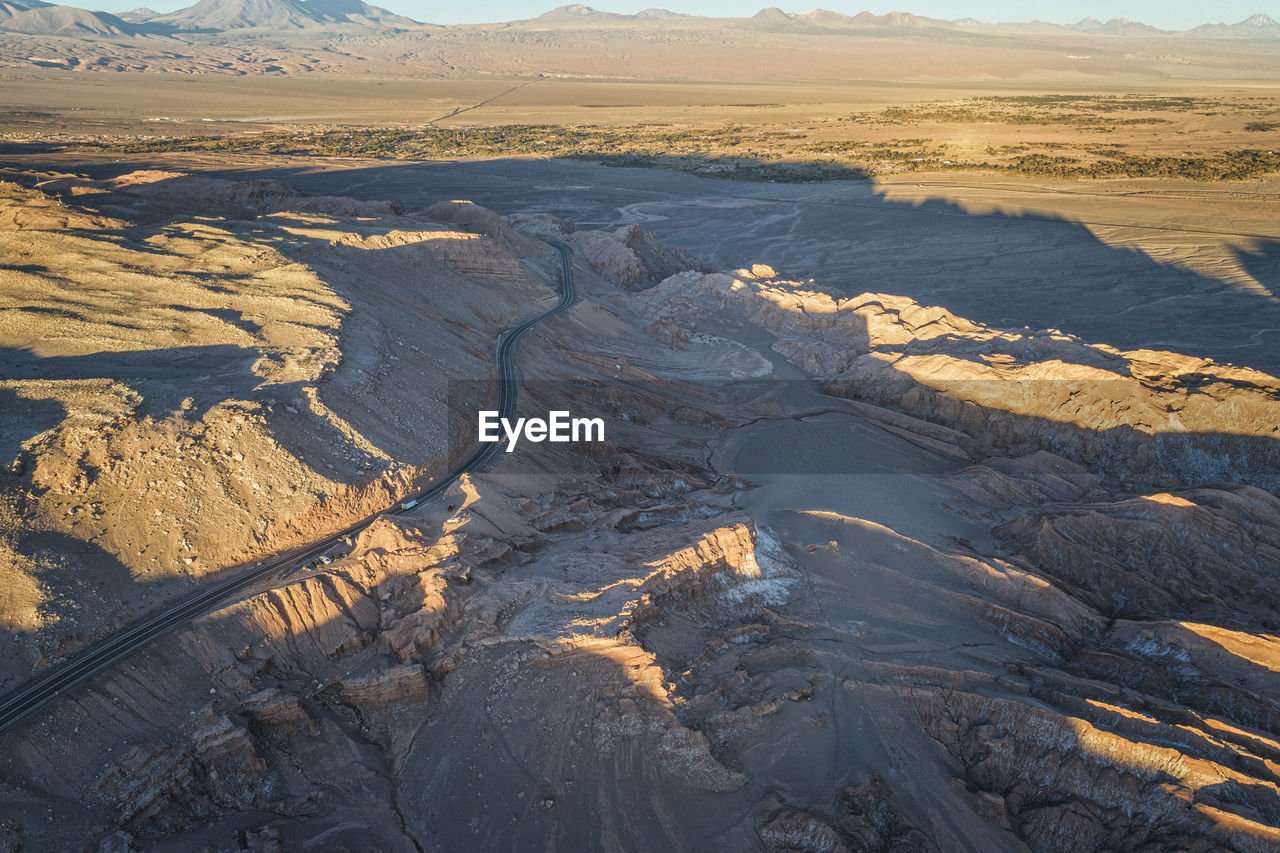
(1176, 15)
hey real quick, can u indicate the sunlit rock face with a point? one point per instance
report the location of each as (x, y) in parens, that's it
(213, 373)
(1044, 619)
(1158, 417)
(631, 257)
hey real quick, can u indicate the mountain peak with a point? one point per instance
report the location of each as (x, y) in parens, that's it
(34, 17)
(892, 19)
(278, 15)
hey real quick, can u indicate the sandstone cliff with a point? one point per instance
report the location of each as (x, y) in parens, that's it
(1158, 417)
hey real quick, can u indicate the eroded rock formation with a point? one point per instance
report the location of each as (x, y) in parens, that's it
(1160, 417)
(1060, 636)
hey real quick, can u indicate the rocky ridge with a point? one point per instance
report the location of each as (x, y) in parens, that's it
(222, 371)
(1082, 653)
(1143, 415)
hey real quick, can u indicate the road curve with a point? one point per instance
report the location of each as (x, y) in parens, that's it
(103, 654)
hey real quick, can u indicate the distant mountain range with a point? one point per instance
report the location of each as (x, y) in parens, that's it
(822, 20)
(37, 17)
(1255, 25)
(278, 15)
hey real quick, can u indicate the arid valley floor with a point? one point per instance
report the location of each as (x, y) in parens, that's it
(937, 508)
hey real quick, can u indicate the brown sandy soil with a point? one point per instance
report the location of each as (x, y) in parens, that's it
(672, 48)
(191, 386)
(48, 106)
(819, 98)
(1176, 265)
(1050, 127)
(950, 612)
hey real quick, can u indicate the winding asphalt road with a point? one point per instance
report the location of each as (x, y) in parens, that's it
(94, 659)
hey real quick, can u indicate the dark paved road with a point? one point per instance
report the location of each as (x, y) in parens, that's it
(62, 677)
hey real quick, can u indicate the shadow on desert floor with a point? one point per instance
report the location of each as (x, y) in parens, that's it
(1000, 268)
